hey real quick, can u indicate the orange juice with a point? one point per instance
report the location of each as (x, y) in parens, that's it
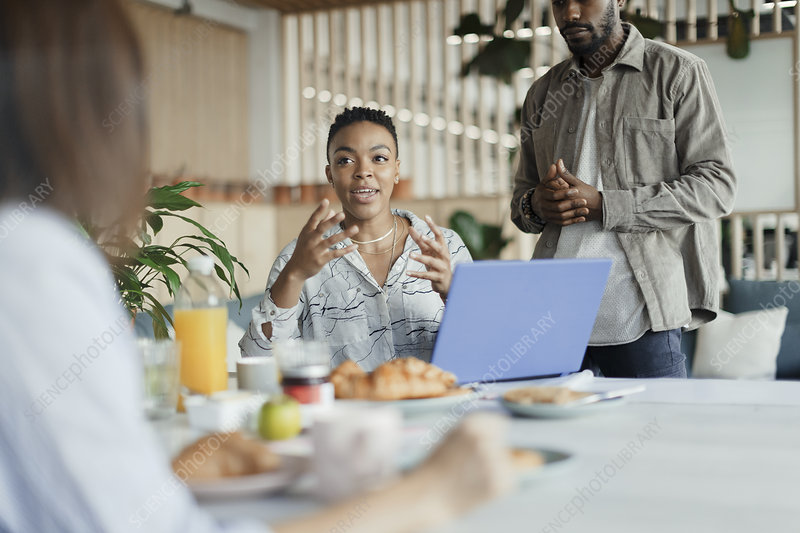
(202, 333)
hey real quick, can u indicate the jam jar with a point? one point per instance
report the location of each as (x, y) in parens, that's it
(308, 384)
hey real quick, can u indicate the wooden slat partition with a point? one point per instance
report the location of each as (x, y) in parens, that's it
(755, 23)
(780, 253)
(713, 25)
(691, 20)
(737, 246)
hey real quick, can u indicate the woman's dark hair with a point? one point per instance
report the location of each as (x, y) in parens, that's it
(71, 116)
(361, 114)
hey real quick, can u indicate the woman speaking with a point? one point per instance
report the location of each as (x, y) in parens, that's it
(371, 281)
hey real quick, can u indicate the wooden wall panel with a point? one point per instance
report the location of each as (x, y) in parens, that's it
(197, 92)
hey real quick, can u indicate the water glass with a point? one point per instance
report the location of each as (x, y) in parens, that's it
(161, 363)
(294, 354)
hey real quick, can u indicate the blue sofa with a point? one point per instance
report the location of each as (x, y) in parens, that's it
(748, 295)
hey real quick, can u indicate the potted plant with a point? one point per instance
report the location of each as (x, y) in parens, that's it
(484, 241)
(139, 265)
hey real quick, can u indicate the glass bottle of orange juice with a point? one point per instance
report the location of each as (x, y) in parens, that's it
(201, 319)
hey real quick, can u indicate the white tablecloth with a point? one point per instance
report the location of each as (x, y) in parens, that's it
(684, 456)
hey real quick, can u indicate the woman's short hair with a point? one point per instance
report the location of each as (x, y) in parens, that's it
(66, 70)
(352, 115)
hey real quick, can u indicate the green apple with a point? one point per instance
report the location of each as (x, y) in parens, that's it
(280, 418)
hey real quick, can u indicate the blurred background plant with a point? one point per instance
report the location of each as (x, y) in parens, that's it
(139, 265)
(484, 241)
(504, 53)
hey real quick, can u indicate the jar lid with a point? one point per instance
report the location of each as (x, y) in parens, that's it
(310, 371)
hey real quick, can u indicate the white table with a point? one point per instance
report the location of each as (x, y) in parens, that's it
(707, 456)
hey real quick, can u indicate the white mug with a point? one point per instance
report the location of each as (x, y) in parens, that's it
(259, 374)
(355, 449)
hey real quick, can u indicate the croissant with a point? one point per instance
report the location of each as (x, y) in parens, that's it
(398, 379)
(223, 455)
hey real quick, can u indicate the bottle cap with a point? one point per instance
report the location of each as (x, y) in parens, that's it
(202, 264)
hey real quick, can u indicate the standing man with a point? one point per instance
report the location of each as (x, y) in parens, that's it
(624, 156)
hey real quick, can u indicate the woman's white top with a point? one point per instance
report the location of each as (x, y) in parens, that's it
(76, 452)
(360, 320)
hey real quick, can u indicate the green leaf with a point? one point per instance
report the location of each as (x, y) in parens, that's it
(738, 39)
(166, 198)
(471, 23)
(156, 306)
(172, 280)
(470, 232)
(194, 223)
(183, 186)
(650, 28)
(512, 11)
(155, 222)
(160, 330)
(160, 254)
(500, 58)
(484, 241)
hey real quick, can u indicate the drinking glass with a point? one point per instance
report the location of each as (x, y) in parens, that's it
(161, 363)
(295, 354)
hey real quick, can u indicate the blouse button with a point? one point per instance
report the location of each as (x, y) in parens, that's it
(358, 289)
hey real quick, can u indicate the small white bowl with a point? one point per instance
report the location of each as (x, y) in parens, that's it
(223, 411)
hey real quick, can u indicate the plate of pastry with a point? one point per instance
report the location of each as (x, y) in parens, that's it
(230, 465)
(409, 384)
(561, 402)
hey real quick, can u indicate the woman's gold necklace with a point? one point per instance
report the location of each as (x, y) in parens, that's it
(393, 228)
(390, 249)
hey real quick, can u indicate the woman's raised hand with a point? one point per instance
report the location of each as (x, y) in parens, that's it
(436, 258)
(312, 251)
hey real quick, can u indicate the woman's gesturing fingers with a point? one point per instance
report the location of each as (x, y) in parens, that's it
(312, 251)
(435, 255)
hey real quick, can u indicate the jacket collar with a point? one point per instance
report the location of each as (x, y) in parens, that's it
(631, 54)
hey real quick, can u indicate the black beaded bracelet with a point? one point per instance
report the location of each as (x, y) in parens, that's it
(527, 208)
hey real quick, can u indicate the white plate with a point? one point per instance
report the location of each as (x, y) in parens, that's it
(420, 406)
(554, 462)
(292, 466)
(551, 410)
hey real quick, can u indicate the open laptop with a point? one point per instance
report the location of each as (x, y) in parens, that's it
(507, 320)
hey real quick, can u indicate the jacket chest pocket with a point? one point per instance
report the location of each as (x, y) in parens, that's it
(650, 153)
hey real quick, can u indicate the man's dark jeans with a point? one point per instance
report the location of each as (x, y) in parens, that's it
(656, 354)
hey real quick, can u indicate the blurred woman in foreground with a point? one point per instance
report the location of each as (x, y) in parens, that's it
(76, 453)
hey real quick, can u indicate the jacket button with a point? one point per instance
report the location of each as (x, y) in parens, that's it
(549, 244)
(571, 129)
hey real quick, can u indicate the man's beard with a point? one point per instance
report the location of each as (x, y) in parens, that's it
(606, 29)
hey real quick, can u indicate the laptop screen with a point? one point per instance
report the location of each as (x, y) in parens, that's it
(507, 320)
